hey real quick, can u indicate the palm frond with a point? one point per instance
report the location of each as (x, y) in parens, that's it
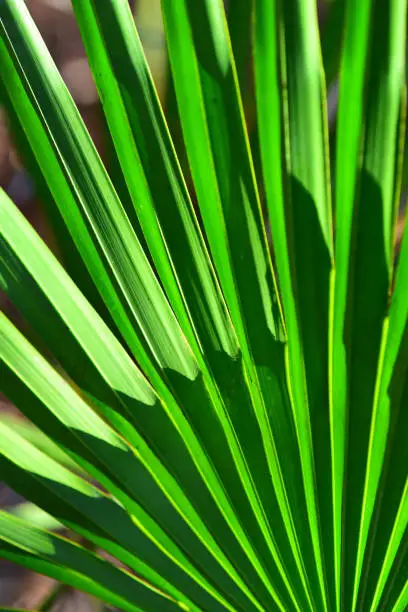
(219, 399)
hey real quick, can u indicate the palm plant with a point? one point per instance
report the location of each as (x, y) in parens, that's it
(223, 414)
